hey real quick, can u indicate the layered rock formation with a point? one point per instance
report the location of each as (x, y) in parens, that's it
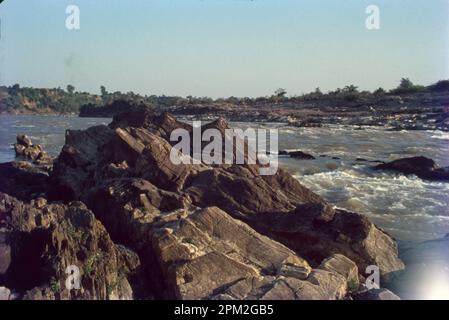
(201, 231)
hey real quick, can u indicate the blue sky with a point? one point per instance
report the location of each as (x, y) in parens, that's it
(221, 48)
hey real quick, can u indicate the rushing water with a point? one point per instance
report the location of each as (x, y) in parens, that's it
(405, 206)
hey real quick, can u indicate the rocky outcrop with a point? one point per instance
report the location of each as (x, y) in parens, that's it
(34, 152)
(422, 167)
(134, 151)
(198, 231)
(52, 238)
(205, 251)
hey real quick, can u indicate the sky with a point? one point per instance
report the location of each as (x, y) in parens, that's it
(222, 48)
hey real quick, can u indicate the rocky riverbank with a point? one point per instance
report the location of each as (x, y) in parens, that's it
(139, 227)
(417, 111)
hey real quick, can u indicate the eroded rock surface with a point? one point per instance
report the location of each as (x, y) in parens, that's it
(39, 241)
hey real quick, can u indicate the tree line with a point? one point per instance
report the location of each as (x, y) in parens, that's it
(57, 100)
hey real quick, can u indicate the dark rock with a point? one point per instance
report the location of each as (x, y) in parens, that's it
(297, 154)
(23, 180)
(73, 169)
(422, 167)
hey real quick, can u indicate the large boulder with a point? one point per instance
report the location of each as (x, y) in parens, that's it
(208, 250)
(422, 167)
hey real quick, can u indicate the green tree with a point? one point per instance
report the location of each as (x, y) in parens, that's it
(70, 89)
(350, 89)
(15, 89)
(103, 91)
(405, 84)
(280, 93)
(379, 92)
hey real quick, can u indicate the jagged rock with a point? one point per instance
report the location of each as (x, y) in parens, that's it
(316, 231)
(52, 237)
(125, 176)
(340, 264)
(332, 283)
(423, 167)
(375, 294)
(321, 285)
(74, 167)
(196, 253)
(25, 148)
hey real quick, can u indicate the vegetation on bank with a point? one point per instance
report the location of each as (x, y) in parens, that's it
(16, 100)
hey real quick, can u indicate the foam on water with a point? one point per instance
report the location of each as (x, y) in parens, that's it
(437, 134)
(406, 206)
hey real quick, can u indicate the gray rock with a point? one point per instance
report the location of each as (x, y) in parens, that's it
(5, 293)
(347, 268)
(375, 294)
